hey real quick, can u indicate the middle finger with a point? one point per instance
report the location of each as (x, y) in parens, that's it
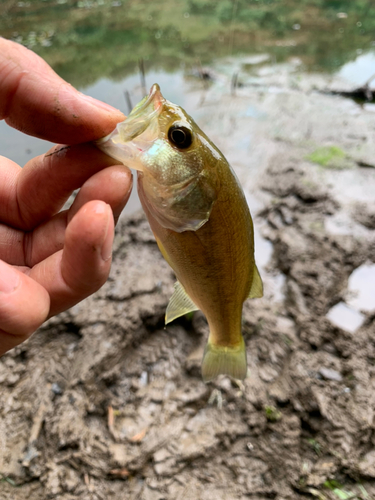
(112, 185)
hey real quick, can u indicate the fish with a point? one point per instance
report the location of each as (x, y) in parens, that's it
(198, 213)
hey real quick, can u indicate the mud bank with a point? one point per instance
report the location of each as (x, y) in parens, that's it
(104, 402)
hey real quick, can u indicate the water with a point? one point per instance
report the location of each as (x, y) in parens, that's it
(20, 147)
(345, 317)
(360, 70)
(361, 288)
(90, 39)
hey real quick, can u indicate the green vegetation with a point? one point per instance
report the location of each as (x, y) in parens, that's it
(8, 480)
(272, 413)
(339, 492)
(329, 157)
(88, 39)
(315, 445)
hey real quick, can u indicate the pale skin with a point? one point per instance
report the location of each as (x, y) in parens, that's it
(50, 259)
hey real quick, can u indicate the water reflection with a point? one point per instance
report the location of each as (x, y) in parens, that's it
(91, 39)
(20, 147)
(361, 288)
(360, 299)
(360, 70)
(173, 84)
(345, 317)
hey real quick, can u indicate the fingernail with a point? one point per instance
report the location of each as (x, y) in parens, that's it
(98, 104)
(9, 278)
(106, 250)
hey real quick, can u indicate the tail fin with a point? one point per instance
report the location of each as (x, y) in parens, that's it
(224, 360)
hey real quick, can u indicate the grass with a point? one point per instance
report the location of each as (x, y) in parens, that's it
(7, 479)
(338, 490)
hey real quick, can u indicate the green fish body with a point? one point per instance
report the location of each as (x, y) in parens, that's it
(199, 216)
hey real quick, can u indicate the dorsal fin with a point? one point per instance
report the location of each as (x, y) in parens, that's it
(179, 304)
(256, 290)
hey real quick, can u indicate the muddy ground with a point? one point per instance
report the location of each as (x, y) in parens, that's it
(104, 402)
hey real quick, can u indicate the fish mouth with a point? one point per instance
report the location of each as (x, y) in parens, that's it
(142, 115)
(137, 132)
(149, 104)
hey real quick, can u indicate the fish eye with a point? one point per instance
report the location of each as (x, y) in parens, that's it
(180, 136)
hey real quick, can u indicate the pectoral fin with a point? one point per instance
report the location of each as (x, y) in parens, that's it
(256, 290)
(179, 304)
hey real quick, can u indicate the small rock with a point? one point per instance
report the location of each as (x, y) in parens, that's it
(280, 390)
(267, 373)
(70, 481)
(52, 481)
(330, 374)
(285, 325)
(165, 468)
(56, 389)
(149, 494)
(161, 455)
(367, 465)
(143, 379)
(119, 453)
(12, 379)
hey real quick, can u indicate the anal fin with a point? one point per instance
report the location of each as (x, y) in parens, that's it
(179, 304)
(256, 290)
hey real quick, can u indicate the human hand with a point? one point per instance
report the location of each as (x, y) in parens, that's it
(52, 259)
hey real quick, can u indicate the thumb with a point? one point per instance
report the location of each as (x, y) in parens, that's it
(24, 306)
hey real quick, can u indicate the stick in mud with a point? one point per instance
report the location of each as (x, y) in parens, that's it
(31, 451)
(233, 83)
(141, 65)
(204, 75)
(128, 101)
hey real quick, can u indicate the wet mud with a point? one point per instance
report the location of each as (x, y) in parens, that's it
(105, 402)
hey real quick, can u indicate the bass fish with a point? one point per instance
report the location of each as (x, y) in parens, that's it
(200, 219)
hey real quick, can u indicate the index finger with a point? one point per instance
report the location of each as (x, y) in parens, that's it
(32, 194)
(36, 101)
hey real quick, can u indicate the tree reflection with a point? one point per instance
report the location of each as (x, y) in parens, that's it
(88, 39)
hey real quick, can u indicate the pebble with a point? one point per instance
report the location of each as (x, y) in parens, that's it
(330, 374)
(56, 389)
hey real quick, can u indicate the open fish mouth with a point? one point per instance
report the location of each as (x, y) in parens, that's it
(136, 134)
(142, 115)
